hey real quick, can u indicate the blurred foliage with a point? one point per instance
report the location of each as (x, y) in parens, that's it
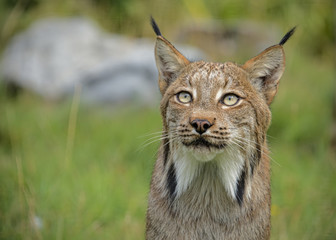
(24, 4)
(315, 18)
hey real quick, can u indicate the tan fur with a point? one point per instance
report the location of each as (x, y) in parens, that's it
(215, 184)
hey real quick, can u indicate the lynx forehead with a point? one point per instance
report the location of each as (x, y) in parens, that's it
(212, 179)
(206, 76)
(211, 80)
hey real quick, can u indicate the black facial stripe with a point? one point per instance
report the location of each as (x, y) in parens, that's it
(165, 152)
(241, 188)
(252, 163)
(255, 158)
(171, 181)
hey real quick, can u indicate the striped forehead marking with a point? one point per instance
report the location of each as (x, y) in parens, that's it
(208, 72)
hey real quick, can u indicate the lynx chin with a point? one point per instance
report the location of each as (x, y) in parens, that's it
(211, 179)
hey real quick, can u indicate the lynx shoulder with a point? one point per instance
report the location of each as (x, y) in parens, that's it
(211, 179)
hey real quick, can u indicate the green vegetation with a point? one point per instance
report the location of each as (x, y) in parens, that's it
(71, 172)
(95, 190)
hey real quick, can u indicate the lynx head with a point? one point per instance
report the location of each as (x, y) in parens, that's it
(209, 109)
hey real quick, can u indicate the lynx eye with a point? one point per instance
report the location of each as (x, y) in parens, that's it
(230, 99)
(184, 97)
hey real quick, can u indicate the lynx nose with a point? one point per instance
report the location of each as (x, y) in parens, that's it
(200, 125)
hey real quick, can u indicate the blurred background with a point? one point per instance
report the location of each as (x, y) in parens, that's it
(79, 106)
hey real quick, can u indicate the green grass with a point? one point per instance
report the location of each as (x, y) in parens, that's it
(98, 192)
(85, 175)
(303, 171)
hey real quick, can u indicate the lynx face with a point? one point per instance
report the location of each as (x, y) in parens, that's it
(212, 108)
(216, 112)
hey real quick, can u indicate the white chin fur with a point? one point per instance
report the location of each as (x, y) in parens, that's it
(189, 162)
(201, 155)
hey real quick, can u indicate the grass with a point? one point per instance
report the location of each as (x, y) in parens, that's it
(303, 196)
(303, 182)
(98, 191)
(70, 172)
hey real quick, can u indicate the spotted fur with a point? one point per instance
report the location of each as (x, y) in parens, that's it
(214, 183)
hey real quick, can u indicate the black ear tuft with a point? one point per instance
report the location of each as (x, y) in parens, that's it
(287, 36)
(155, 27)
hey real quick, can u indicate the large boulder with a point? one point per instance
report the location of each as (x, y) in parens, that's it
(55, 55)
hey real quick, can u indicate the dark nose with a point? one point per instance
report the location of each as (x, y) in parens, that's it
(201, 125)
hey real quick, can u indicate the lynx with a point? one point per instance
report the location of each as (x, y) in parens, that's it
(211, 179)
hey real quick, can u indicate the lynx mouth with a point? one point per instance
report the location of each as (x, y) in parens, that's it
(202, 143)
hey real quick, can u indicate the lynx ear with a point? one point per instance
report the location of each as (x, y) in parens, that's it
(169, 60)
(266, 69)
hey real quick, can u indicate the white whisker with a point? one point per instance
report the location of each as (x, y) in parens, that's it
(248, 141)
(150, 134)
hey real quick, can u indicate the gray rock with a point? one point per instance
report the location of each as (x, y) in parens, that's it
(55, 55)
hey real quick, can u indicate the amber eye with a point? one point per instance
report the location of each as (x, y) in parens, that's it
(184, 97)
(230, 99)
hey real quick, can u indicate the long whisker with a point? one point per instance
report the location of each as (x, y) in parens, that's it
(247, 141)
(155, 137)
(269, 136)
(160, 137)
(170, 140)
(160, 134)
(151, 141)
(256, 143)
(150, 134)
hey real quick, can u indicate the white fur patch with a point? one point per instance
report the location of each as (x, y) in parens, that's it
(230, 169)
(194, 91)
(187, 168)
(219, 94)
(188, 164)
